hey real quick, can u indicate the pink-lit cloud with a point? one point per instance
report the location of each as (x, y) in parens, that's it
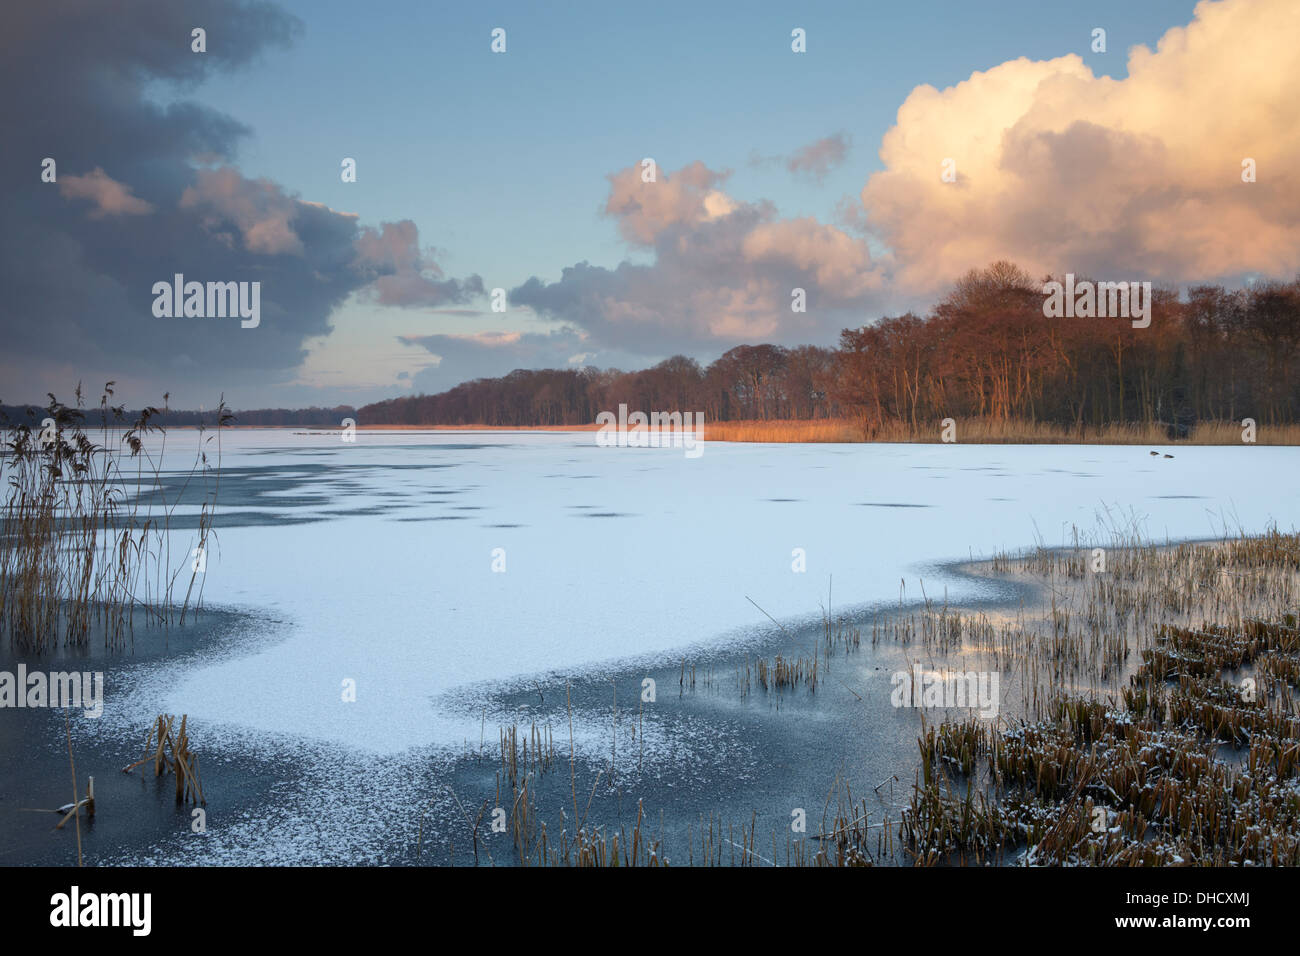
(1061, 170)
(110, 198)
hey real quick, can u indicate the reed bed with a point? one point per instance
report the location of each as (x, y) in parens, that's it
(816, 430)
(1142, 783)
(1093, 625)
(990, 431)
(85, 538)
(802, 670)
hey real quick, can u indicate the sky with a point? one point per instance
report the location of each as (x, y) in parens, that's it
(522, 171)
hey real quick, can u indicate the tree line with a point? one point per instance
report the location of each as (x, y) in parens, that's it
(986, 350)
(748, 382)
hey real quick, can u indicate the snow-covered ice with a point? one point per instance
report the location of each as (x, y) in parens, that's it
(617, 553)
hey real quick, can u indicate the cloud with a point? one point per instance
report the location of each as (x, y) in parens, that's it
(110, 197)
(644, 210)
(89, 85)
(812, 162)
(259, 209)
(402, 274)
(816, 160)
(489, 354)
(1062, 170)
(723, 271)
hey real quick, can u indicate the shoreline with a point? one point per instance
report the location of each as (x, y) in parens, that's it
(844, 431)
(836, 432)
(709, 744)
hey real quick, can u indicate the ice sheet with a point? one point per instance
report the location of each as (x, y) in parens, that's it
(620, 553)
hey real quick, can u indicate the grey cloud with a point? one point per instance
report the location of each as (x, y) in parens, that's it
(492, 354)
(146, 191)
(402, 274)
(816, 160)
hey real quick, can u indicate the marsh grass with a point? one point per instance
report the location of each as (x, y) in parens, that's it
(816, 430)
(989, 431)
(807, 669)
(85, 530)
(1190, 758)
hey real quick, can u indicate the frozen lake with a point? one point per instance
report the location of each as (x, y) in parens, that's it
(377, 558)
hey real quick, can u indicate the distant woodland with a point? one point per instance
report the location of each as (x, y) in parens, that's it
(31, 416)
(985, 351)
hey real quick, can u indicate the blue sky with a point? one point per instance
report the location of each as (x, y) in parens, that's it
(501, 160)
(520, 171)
